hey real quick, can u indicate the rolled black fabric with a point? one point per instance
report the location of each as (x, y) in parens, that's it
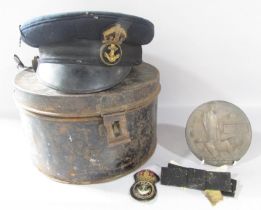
(176, 177)
(233, 189)
(67, 27)
(198, 179)
(218, 181)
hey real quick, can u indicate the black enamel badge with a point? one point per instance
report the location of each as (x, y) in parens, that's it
(144, 187)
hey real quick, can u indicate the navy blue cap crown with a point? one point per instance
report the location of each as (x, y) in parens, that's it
(68, 27)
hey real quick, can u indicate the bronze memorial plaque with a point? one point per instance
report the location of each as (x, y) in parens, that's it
(218, 133)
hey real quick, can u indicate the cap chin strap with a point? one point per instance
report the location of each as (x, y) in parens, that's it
(21, 66)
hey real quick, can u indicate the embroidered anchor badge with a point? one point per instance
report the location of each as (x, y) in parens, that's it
(111, 52)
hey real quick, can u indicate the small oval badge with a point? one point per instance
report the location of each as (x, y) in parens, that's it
(144, 187)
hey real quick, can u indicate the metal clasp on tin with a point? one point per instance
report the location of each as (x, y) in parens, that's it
(116, 128)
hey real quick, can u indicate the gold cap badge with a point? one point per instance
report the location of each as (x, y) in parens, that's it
(111, 52)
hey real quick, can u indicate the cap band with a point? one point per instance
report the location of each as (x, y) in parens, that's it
(88, 53)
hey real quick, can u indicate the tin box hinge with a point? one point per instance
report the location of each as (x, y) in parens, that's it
(116, 128)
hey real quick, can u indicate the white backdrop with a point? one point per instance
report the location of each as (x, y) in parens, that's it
(204, 49)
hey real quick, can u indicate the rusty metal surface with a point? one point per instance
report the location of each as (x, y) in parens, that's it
(91, 147)
(78, 151)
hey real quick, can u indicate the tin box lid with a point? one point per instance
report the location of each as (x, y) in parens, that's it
(141, 87)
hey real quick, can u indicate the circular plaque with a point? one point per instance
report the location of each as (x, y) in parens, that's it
(218, 132)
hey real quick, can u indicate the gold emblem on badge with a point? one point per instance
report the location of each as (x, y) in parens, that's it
(144, 187)
(111, 52)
